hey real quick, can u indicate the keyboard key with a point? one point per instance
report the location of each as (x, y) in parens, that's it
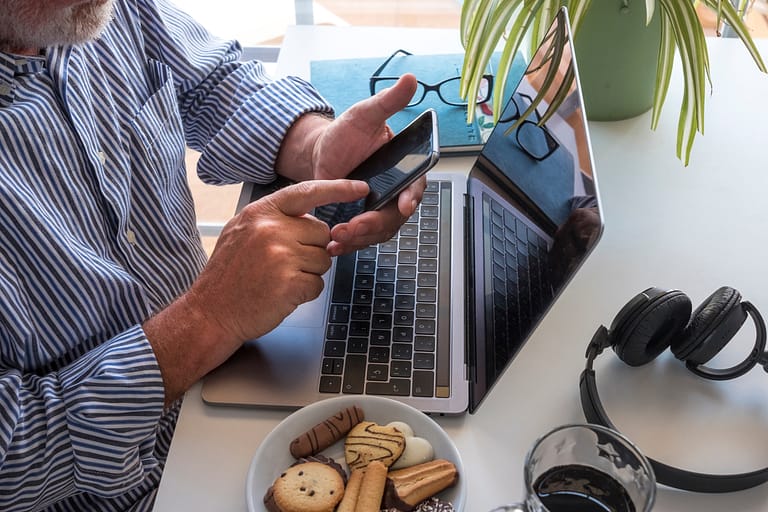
(424, 361)
(382, 305)
(378, 372)
(404, 302)
(339, 313)
(330, 384)
(395, 387)
(369, 253)
(402, 351)
(343, 278)
(424, 343)
(382, 338)
(354, 374)
(424, 310)
(423, 383)
(336, 332)
(333, 365)
(426, 295)
(400, 369)
(407, 257)
(357, 346)
(378, 355)
(385, 275)
(360, 312)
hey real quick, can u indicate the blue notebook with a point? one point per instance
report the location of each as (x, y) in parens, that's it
(343, 82)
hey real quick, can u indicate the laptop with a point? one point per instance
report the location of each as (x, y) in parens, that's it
(436, 315)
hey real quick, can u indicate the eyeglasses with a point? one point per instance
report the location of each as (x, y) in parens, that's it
(534, 138)
(447, 90)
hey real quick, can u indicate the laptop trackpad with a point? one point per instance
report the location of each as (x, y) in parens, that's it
(280, 369)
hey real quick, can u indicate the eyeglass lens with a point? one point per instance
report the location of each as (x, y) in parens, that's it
(535, 140)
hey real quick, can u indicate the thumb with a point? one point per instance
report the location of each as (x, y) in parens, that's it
(301, 198)
(390, 101)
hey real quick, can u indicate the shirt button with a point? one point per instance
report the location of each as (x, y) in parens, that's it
(131, 236)
(5, 89)
(102, 157)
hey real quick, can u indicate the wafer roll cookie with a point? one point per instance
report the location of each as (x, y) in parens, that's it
(409, 486)
(372, 487)
(349, 502)
(324, 434)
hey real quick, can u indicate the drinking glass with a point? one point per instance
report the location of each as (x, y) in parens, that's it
(585, 468)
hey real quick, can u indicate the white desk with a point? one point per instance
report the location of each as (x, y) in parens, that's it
(694, 228)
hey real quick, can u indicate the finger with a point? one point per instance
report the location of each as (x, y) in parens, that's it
(316, 260)
(303, 197)
(409, 199)
(390, 101)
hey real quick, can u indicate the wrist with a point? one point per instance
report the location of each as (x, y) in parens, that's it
(187, 345)
(295, 160)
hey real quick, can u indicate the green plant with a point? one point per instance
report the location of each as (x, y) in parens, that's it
(485, 22)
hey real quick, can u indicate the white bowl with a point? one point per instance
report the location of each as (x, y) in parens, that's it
(273, 455)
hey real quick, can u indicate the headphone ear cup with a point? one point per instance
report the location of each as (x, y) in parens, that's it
(644, 328)
(712, 326)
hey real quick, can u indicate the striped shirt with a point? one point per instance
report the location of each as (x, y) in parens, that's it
(97, 233)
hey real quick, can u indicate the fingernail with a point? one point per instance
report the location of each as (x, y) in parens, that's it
(414, 205)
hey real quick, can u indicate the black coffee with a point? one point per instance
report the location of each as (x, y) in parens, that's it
(576, 488)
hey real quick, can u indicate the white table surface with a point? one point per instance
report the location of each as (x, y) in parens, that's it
(694, 228)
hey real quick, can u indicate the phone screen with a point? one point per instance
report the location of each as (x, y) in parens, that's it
(391, 168)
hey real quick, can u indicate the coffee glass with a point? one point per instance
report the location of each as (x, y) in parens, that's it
(585, 468)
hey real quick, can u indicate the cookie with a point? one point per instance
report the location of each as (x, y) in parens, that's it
(351, 492)
(408, 487)
(324, 460)
(417, 449)
(372, 487)
(327, 432)
(368, 441)
(307, 487)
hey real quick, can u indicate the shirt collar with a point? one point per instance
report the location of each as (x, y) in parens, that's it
(11, 68)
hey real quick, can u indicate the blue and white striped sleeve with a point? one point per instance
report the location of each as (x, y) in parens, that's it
(233, 112)
(89, 427)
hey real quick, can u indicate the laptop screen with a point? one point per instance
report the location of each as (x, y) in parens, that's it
(534, 206)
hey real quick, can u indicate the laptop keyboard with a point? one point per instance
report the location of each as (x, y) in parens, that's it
(383, 335)
(520, 286)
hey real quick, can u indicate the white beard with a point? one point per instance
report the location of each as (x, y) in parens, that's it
(34, 24)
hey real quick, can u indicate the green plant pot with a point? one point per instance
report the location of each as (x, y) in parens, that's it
(617, 55)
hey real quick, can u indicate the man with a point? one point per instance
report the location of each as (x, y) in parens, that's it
(108, 309)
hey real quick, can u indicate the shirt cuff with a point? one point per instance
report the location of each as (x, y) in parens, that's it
(114, 398)
(246, 147)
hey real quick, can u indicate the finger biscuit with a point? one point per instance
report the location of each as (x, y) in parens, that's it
(327, 432)
(352, 491)
(372, 487)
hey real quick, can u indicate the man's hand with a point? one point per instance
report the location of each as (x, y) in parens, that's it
(268, 260)
(357, 133)
(338, 147)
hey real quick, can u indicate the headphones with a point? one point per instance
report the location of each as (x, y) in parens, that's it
(656, 319)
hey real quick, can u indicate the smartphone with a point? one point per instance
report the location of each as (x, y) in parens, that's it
(391, 168)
